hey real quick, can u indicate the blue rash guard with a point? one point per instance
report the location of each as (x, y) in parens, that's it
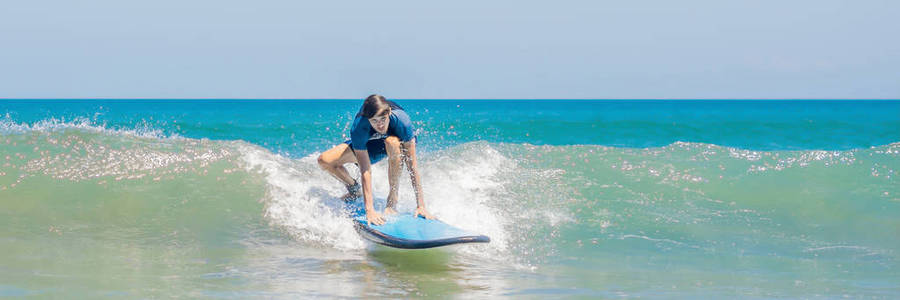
(364, 137)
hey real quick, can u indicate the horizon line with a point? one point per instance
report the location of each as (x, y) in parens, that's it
(465, 99)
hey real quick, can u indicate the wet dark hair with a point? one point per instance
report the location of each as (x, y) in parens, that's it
(375, 105)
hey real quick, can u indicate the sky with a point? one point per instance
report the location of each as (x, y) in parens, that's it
(461, 49)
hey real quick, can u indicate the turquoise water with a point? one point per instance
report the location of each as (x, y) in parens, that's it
(582, 199)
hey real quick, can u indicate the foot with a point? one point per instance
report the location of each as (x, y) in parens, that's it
(354, 191)
(348, 197)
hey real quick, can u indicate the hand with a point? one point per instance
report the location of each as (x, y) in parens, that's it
(374, 217)
(421, 211)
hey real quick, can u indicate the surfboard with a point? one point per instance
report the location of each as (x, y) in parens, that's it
(406, 231)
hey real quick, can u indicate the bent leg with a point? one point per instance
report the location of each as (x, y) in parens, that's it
(333, 160)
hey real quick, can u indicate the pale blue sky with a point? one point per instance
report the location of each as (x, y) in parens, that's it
(451, 49)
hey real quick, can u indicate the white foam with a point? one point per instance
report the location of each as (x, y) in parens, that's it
(459, 186)
(78, 150)
(302, 199)
(80, 123)
(462, 188)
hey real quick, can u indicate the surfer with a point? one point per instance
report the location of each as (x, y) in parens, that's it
(381, 128)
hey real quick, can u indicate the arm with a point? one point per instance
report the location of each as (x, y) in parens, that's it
(365, 174)
(412, 165)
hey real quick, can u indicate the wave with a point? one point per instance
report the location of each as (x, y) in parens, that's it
(705, 199)
(144, 168)
(536, 202)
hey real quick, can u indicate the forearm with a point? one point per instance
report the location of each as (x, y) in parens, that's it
(417, 185)
(412, 165)
(366, 177)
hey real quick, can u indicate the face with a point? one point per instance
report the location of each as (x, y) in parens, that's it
(380, 123)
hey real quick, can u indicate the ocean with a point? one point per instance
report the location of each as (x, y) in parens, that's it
(581, 198)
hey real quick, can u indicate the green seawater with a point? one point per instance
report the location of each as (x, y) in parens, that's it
(92, 213)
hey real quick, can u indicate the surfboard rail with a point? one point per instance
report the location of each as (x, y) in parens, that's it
(397, 242)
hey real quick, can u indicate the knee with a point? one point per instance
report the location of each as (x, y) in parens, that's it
(323, 163)
(392, 145)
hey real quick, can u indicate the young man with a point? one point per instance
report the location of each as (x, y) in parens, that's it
(381, 128)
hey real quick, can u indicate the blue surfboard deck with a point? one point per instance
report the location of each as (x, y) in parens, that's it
(410, 232)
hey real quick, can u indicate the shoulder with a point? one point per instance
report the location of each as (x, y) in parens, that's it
(359, 123)
(403, 126)
(360, 127)
(359, 133)
(399, 115)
